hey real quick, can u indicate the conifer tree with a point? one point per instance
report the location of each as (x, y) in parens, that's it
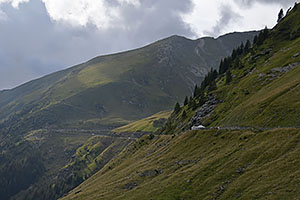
(177, 108)
(280, 15)
(191, 103)
(247, 46)
(212, 86)
(186, 101)
(183, 114)
(255, 39)
(196, 91)
(215, 74)
(228, 77)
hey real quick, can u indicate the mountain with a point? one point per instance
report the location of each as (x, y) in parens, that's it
(55, 131)
(115, 89)
(250, 146)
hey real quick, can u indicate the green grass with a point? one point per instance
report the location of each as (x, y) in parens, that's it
(256, 99)
(145, 125)
(196, 164)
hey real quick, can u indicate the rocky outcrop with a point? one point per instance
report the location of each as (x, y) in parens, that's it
(277, 72)
(285, 68)
(204, 111)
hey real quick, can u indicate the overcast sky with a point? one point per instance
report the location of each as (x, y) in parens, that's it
(38, 37)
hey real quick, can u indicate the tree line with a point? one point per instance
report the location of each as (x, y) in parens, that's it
(233, 61)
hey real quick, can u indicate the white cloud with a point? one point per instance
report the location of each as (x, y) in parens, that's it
(204, 15)
(101, 13)
(207, 16)
(14, 3)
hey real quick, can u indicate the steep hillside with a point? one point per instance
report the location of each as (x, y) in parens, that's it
(257, 87)
(251, 148)
(116, 89)
(211, 164)
(264, 91)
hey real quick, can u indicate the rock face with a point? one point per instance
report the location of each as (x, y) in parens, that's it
(286, 68)
(277, 72)
(204, 111)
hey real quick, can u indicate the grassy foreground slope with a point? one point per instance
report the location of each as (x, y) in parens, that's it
(210, 164)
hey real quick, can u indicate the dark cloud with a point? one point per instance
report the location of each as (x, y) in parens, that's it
(251, 2)
(227, 16)
(31, 44)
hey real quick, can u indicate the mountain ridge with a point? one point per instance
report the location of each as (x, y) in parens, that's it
(109, 72)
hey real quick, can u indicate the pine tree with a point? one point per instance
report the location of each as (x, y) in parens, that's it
(255, 39)
(186, 101)
(204, 83)
(262, 36)
(201, 100)
(221, 67)
(280, 15)
(240, 50)
(215, 74)
(247, 46)
(212, 86)
(228, 77)
(183, 114)
(265, 33)
(177, 108)
(196, 91)
(191, 103)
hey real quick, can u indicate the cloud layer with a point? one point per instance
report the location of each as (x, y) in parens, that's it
(251, 2)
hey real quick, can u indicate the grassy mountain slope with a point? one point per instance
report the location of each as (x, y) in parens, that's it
(116, 89)
(212, 164)
(265, 92)
(228, 161)
(150, 124)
